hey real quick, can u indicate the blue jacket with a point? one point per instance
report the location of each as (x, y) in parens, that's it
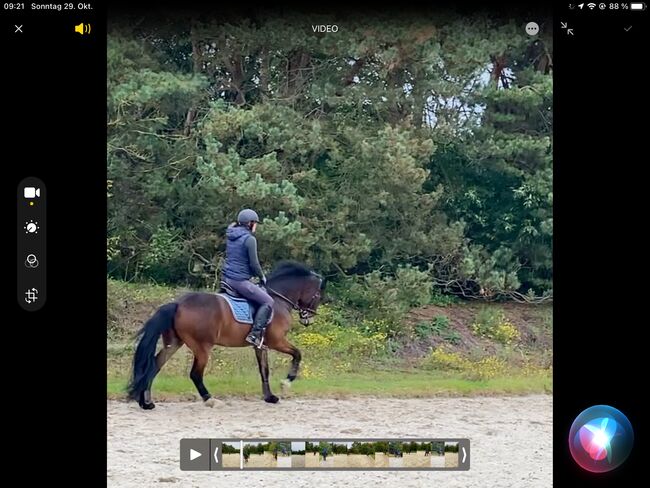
(237, 265)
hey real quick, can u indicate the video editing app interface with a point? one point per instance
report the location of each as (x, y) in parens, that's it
(326, 238)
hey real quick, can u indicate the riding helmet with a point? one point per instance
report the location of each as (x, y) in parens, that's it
(247, 215)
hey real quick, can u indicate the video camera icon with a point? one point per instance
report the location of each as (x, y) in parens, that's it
(31, 192)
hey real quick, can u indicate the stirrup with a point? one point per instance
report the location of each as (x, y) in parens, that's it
(255, 342)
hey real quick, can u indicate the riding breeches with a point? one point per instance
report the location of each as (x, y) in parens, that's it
(251, 292)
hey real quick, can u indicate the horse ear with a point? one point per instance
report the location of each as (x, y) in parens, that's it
(323, 283)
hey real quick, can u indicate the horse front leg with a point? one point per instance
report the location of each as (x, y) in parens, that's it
(296, 357)
(263, 363)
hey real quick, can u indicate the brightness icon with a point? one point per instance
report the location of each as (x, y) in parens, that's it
(31, 227)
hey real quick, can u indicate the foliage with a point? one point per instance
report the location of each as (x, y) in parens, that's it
(493, 324)
(439, 327)
(484, 369)
(399, 146)
(384, 299)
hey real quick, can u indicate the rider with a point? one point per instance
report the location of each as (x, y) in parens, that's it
(241, 265)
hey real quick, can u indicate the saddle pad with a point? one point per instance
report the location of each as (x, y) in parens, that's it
(240, 308)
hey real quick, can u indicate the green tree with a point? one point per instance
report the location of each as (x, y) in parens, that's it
(398, 142)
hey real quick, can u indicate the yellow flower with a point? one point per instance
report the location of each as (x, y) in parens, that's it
(312, 339)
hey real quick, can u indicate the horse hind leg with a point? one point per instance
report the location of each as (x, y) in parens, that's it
(171, 344)
(201, 356)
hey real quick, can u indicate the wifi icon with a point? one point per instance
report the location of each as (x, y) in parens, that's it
(591, 6)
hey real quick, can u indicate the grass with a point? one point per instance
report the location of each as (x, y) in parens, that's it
(377, 383)
(345, 357)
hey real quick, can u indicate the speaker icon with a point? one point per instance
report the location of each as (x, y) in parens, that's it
(82, 28)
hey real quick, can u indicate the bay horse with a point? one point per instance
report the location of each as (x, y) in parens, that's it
(203, 320)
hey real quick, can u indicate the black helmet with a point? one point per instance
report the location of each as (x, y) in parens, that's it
(247, 215)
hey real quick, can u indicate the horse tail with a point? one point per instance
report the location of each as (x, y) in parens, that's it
(144, 360)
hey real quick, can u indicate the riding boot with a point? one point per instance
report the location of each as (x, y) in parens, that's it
(261, 320)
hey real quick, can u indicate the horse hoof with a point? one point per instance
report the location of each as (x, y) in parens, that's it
(212, 402)
(285, 384)
(147, 406)
(272, 399)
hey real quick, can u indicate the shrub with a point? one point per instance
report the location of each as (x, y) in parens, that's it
(493, 324)
(439, 358)
(381, 300)
(485, 369)
(438, 326)
(479, 370)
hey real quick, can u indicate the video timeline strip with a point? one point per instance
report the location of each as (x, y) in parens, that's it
(325, 454)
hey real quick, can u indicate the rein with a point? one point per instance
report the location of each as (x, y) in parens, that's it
(294, 305)
(304, 312)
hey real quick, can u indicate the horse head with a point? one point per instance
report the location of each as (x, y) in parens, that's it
(299, 286)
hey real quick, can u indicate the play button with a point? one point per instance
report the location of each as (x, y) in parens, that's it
(195, 455)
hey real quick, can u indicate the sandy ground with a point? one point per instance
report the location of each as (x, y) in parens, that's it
(361, 461)
(143, 447)
(231, 460)
(436, 461)
(312, 461)
(297, 460)
(451, 459)
(381, 460)
(327, 463)
(283, 462)
(265, 460)
(416, 460)
(353, 461)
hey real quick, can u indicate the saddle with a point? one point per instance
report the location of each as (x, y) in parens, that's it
(242, 310)
(226, 288)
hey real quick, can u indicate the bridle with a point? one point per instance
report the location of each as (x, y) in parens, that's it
(303, 312)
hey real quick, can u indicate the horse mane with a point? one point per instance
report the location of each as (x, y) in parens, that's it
(289, 269)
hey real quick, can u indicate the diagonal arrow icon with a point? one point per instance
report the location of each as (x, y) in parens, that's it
(564, 25)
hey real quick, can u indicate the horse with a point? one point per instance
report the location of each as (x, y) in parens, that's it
(203, 320)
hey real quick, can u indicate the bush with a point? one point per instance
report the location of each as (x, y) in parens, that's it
(438, 326)
(441, 300)
(129, 305)
(382, 300)
(335, 343)
(493, 324)
(485, 369)
(444, 360)
(479, 370)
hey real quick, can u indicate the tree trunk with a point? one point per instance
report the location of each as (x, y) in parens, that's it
(500, 64)
(196, 68)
